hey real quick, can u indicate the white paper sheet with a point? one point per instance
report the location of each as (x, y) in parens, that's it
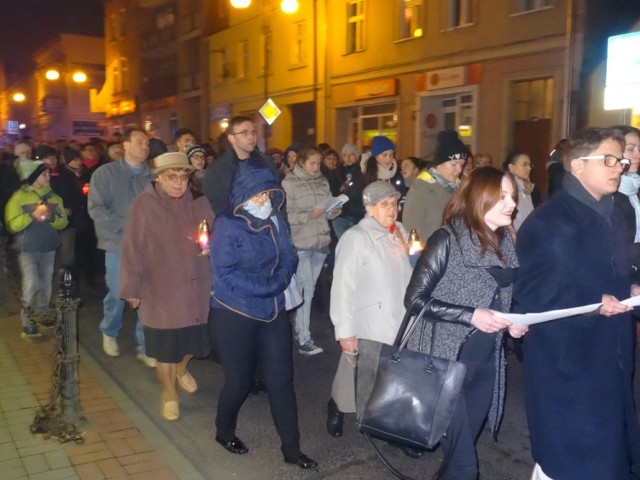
(533, 318)
(330, 203)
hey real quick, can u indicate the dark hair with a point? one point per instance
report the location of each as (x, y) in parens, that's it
(126, 137)
(627, 129)
(182, 131)
(583, 142)
(418, 162)
(511, 159)
(470, 203)
(237, 120)
(330, 151)
(306, 151)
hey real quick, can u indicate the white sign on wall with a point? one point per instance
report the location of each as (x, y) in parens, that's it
(622, 88)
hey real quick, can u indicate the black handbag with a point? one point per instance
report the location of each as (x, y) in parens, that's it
(403, 396)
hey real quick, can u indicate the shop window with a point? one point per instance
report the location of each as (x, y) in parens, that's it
(460, 13)
(411, 14)
(298, 44)
(373, 120)
(355, 25)
(534, 99)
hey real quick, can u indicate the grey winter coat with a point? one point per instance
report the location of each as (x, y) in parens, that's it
(113, 187)
(304, 192)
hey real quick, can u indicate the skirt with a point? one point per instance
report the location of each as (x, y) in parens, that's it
(171, 345)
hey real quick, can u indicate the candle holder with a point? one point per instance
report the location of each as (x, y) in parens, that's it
(203, 237)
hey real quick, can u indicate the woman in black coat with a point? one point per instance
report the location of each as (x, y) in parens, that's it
(464, 276)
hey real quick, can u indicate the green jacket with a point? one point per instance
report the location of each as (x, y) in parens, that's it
(31, 235)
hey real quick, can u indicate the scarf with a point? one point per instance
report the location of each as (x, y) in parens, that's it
(604, 207)
(387, 173)
(629, 185)
(262, 212)
(448, 186)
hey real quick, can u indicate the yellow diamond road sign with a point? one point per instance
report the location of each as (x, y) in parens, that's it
(270, 111)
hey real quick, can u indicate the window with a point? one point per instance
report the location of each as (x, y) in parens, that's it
(266, 58)
(355, 26)
(220, 66)
(460, 13)
(115, 73)
(123, 22)
(242, 59)
(534, 98)
(298, 46)
(113, 27)
(124, 70)
(531, 5)
(411, 12)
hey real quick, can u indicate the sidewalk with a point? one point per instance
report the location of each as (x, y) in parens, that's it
(120, 441)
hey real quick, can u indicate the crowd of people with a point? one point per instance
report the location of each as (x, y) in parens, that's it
(491, 246)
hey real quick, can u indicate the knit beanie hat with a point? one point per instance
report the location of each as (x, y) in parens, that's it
(349, 148)
(381, 144)
(44, 151)
(449, 147)
(156, 147)
(70, 154)
(195, 149)
(30, 170)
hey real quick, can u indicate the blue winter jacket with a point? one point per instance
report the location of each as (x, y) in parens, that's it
(253, 260)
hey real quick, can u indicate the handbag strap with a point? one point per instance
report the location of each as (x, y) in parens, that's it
(386, 462)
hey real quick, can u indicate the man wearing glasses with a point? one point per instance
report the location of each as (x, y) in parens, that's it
(242, 135)
(578, 370)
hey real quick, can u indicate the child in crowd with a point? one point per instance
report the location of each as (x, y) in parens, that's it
(35, 214)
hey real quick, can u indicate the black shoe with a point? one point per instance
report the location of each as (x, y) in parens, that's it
(302, 461)
(411, 452)
(234, 446)
(335, 419)
(257, 387)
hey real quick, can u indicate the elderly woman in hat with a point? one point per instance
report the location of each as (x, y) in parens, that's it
(166, 273)
(371, 274)
(431, 190)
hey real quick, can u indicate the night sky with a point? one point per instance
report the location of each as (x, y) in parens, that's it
(28, 25)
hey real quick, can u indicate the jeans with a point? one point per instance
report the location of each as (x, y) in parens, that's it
(243, 344)
(310, 264)
(113, 307)
(37, 276)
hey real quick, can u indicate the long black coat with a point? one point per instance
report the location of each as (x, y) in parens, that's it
(578, 370)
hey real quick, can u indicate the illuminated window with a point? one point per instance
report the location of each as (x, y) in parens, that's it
(460, 13)
(242, 59)
(298, 44)
(355, 26)
(531, 5)
(411, 18)
(220, 66)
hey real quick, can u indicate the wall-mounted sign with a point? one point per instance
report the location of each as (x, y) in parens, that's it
(13, 127)
(87, 128)
(270, 111)
(449, 77)
(377, 88)
(623, 72)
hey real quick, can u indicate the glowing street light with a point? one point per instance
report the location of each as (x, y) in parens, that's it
(19, 97)
(240, 3)
(52, 74)
(289, 6)
(79, 76)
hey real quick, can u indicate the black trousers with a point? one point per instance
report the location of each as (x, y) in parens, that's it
(242, 344)
(460, 460)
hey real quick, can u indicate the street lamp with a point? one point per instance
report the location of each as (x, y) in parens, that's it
(79, 76)
(19, 97)
(288, 7)
(52, 74)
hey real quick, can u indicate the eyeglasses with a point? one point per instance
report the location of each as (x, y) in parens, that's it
(261, 195)
(197, 156)
(175, 178)
(246, 133)
(609, 160)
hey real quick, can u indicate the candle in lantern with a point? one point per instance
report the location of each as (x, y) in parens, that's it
(203, 237)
